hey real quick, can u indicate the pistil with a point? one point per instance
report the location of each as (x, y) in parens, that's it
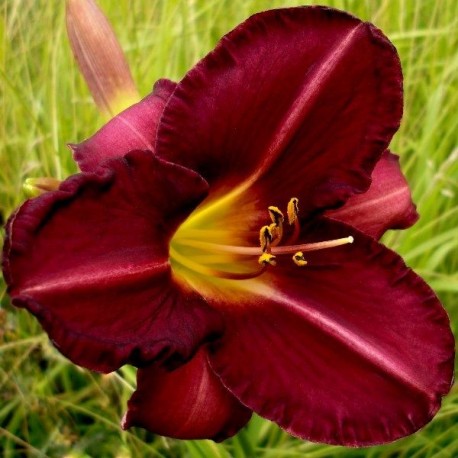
(255, 251)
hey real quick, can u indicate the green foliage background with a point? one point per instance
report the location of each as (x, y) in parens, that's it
(50, 408)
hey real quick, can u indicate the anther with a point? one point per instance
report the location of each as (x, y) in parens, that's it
(292, 210)
(277, 224)
(299, 259)
(267, 259)
(265, 238)
(276, 215)
(274, 230)
(293, 219)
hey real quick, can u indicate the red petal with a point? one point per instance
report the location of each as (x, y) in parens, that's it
(387, 204)
(134, 128)
(352, 349)
(187, 403)
(91, 262)
(310, 96)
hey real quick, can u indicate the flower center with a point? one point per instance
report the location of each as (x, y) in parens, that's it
(209, 251)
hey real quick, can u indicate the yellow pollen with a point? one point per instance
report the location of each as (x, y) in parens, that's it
(292, 210)
(276, 215)
(274, 230)
(277, 224)
(267, 258)
(299, 259)
(265, 238)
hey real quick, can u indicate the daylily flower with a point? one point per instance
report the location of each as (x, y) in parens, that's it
(208, 242)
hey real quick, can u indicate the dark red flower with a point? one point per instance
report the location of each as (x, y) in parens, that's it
(155, 259)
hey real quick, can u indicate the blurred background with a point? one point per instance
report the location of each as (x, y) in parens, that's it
(51, 408)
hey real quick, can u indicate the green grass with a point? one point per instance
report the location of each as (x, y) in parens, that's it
(49, 407)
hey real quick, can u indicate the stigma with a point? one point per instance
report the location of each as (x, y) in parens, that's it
(277, 238)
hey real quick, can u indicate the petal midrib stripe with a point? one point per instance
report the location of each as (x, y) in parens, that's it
(348, 338)
(305, 101)
(87, 277)
(293, 118)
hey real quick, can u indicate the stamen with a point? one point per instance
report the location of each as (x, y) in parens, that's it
(274, 231)
(269, 238)
(277, 224)
(292, 210)
(267, 259)
(278, 234)
(299, 259)
(276, 215)
(199, 268)
(265, 239)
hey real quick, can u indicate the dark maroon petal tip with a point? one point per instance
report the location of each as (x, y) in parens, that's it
(164, 88)
(134, 128)
(308, 97)
(187, 403)
(356, 348)
(90, 261)
(387, 204)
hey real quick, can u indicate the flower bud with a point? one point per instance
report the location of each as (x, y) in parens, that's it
(100, 57)
(34, 187)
